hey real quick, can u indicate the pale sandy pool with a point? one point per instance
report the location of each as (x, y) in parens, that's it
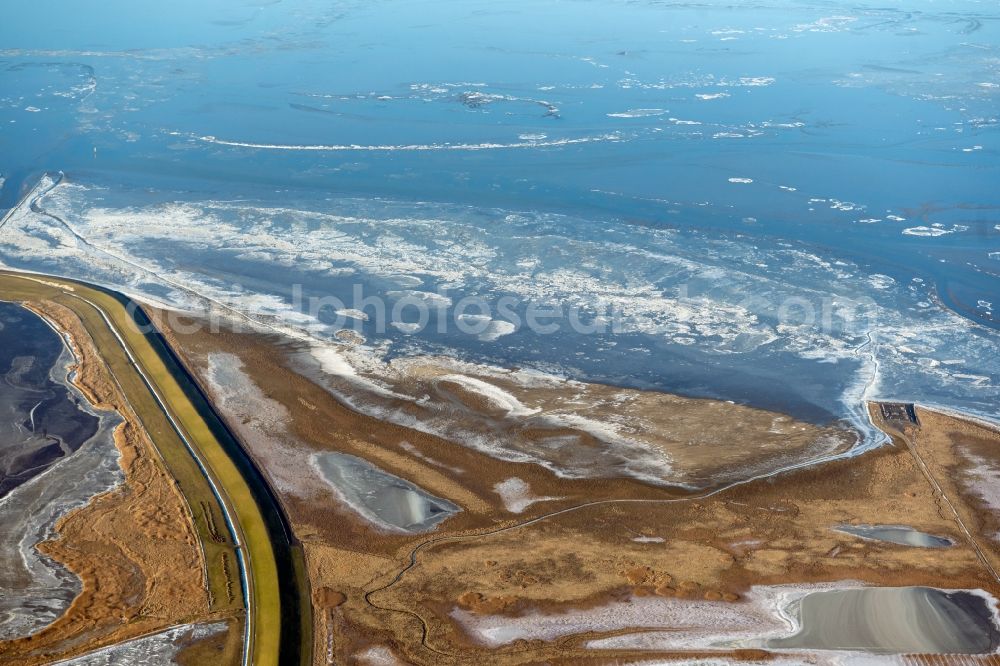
(898, 534)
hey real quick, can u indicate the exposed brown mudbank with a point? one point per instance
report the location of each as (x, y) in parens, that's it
(579, 543)
(133, 548)
(768, 532)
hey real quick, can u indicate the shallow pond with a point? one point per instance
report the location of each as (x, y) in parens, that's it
(893, 620)
(381, 497)
(898, 534)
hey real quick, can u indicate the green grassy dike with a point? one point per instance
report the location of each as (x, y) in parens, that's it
(276, 593)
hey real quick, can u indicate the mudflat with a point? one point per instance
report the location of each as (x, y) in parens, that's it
(543, 562)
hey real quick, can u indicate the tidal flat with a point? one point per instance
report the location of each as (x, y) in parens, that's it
(537, 553)
(36, 391)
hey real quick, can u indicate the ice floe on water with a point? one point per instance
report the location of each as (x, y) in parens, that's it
(418, 147)
(934, 230)
(716, 297)
(352, 313)
(696, 80)
(414, 296)
(835, 23)
(879, 281)
(407, 328)
(638, 113)
(496, 329)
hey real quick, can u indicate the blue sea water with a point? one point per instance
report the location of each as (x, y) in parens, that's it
(791, 204)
